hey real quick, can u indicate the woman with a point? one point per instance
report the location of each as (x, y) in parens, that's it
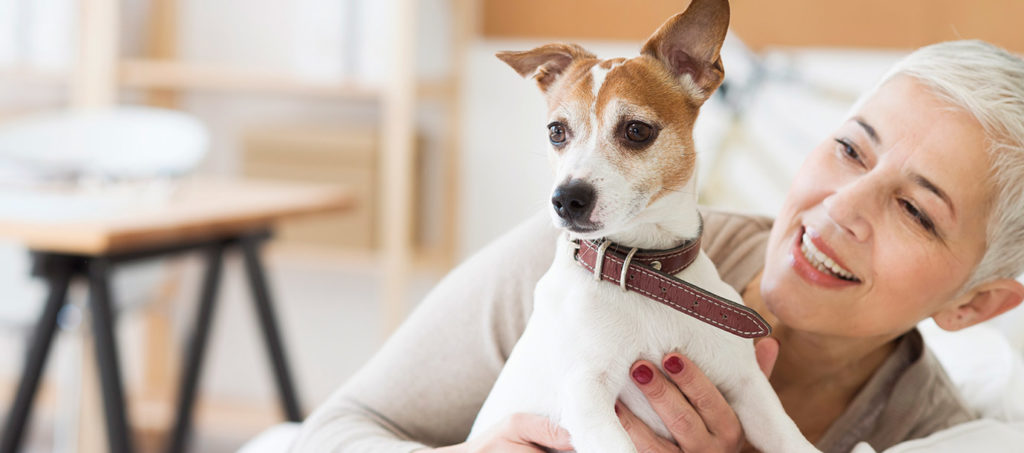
(913, 209)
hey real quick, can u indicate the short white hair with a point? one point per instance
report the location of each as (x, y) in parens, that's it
(987, 82)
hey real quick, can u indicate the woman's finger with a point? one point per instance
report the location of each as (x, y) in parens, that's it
(767, 350)
(642, 435)
(704, 397)
(681, 419)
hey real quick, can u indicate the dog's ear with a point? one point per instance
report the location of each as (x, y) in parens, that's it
(544, 63)
(688, 44)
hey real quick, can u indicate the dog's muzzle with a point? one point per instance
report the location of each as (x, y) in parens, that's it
(574, 202)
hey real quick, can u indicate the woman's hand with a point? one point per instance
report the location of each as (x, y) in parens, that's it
(518, 433)
(689, 404)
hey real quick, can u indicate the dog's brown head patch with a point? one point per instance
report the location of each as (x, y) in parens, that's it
(626, 125)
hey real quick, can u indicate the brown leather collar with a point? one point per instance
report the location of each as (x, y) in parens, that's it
(649, 272)
(671, 261)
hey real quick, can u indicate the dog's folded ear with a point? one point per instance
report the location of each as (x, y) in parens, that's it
(688, 44)
(545, 63)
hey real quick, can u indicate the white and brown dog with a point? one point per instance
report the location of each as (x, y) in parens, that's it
(622, 145)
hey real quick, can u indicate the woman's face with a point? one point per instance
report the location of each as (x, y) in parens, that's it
(885, 219)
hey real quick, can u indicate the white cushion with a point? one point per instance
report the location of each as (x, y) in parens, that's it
(989, 372)
(276, 439)
(983, 365)
(985, 435)
(1011, 324)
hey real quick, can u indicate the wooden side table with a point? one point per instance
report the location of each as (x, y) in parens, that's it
(203, 215)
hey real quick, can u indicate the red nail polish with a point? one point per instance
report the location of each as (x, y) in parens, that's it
(616, 409)
(673, 365)
(642, 374)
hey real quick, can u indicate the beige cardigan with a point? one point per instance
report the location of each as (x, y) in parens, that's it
(426, 384)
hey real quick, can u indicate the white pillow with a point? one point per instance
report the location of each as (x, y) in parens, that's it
(985, 435)
(276, 439)
(1011, 324)
(989, 372)
(983, 365)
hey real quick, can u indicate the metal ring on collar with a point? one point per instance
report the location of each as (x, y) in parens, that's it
(599, 263)
(625, 268)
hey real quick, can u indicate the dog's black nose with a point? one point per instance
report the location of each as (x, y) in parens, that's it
(574, 200)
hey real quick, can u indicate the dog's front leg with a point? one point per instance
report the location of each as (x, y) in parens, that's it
(764, 420)
(588, 413)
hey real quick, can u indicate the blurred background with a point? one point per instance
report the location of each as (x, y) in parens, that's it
(401, 102)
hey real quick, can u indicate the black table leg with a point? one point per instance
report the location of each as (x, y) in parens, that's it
(39, 347)
(118, 436)
(261, 295)
(59, 269)
(196, 348)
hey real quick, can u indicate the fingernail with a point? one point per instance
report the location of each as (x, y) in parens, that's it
(616, 409)
(642, 374)
(673, 365)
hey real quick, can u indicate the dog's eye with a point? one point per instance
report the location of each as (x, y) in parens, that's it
(639, 132)
(556, 133)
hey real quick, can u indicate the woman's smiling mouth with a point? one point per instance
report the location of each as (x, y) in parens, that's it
(822, 262)
(815, 265)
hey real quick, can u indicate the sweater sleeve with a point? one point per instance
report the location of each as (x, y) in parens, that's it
(427, 383)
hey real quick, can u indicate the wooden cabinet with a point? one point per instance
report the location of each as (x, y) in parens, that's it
(903, 24)
(327, 153)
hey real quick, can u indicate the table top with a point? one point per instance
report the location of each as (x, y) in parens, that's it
(100, 222)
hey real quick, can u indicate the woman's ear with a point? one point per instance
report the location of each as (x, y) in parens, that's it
(982, 303)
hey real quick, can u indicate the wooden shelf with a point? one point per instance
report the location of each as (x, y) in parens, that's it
(426, 260)
(436, 89)
(173, 75)
(24, 74)
(100, 74)
(176, 75)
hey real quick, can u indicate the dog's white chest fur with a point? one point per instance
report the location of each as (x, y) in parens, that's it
(572, 361)
(585, 333)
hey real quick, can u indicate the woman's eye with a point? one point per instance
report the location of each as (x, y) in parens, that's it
(918, 215)
(556, 133)
(848, 150)
(638, 132)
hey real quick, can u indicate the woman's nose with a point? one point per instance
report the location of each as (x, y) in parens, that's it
(850, 207)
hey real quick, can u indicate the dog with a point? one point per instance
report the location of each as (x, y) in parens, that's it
(621, 133)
